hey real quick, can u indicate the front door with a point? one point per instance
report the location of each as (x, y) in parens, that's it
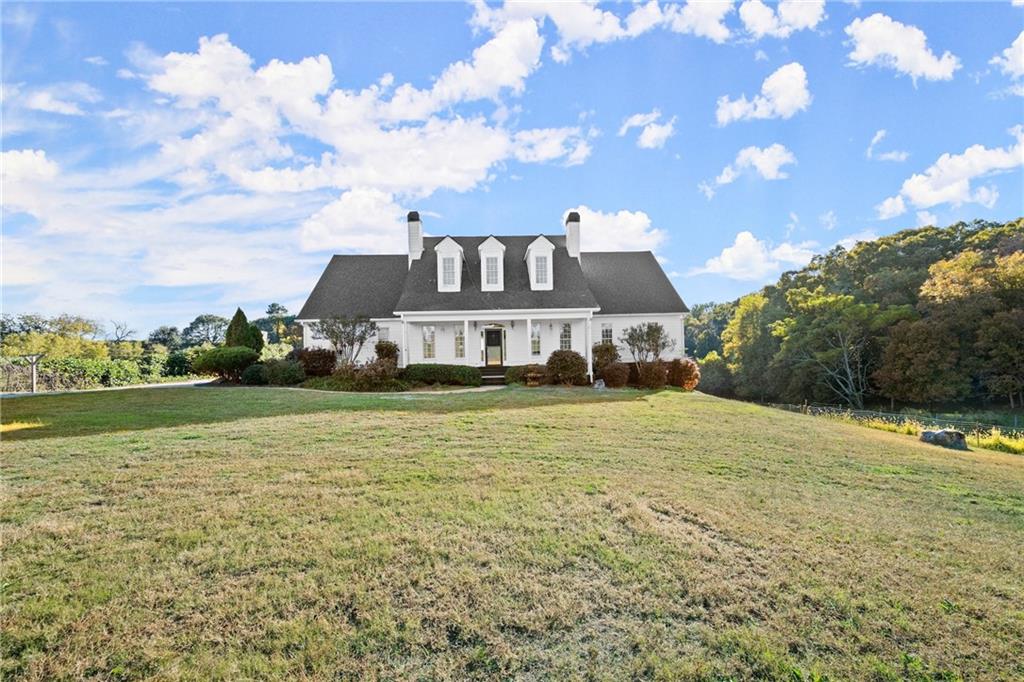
(492, 346)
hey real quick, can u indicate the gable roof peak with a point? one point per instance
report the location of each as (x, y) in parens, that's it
(489, 242)
(447, 243)
(540, 242)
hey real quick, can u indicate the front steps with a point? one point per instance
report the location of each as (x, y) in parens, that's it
(493, 376)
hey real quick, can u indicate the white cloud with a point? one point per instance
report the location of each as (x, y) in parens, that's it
(792, 15)
(361, 220)
(852, 240)
(549, 144)
(767, 163)
(783, 94)
(96, 60)
(893, 155)
(948, 180)
(1011, 60)
(925, 218)
(750, 258)
(700, 18)
(61, 98)
(881, 41)
(619, 231)
(760, 56)
(891, 207)
(829, 220)
(653, 135)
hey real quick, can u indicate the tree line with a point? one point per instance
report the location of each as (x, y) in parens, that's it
(925, 316)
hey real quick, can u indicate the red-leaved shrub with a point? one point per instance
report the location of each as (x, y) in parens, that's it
(653, 375)
(317, 362)
(615, 375)
(683, 373)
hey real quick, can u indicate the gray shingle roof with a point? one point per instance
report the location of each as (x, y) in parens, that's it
(630, 282)
(622, 282)
(357, 285)
(570, 286)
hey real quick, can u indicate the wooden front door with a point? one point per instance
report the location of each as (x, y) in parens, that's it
(492, 347)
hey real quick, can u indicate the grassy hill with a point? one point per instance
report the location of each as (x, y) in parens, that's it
(255, 533)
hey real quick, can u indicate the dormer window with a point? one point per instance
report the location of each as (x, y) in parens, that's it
(540, 256)
(492, 265)
(448, 271)
(541, 269)
(449, 265)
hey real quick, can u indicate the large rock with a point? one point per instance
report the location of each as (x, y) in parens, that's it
(946, 438)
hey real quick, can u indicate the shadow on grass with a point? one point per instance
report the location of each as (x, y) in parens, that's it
(85, 414)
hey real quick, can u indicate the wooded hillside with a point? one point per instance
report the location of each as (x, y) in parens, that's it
(924, 316)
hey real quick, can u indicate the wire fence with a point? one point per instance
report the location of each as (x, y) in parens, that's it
(972, 428)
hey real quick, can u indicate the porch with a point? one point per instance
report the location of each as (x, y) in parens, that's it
(489, 341)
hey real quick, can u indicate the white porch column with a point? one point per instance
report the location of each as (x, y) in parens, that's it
(405, 343)
(529, 340)
(590, 351)
(465, 342)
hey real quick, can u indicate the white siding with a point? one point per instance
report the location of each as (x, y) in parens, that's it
(672, 323)
(367, 353)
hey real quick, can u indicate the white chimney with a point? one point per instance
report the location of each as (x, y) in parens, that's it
(572, 234)
(415, 236)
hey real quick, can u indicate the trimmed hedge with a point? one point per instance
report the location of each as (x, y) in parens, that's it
(227, 362)
(517, 374)
(615, 375)
(652, 375)
(317, 362)
(387, 350)
(567, 367)
(605, 353)
(379, 376)
(683, 373)
(448, 375)
(255, 375)
(284, 372)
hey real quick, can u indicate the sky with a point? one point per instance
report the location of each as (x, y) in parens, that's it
(166, 160)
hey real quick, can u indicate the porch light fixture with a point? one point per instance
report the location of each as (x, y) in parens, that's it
(474, 324)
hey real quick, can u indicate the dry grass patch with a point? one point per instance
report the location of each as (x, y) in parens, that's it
(255, 533)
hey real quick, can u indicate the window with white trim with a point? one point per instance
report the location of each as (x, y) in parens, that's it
(460, 343)
(448, 271)
(535, 338)
(606, 332)
(491, 265)
(383, 334)
(540, 265)
(428, 341)
(565, 338)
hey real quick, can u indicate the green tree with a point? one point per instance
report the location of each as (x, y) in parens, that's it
(348, 335)
(1001, 346)
(646, 342)
(169, 337)
(715, 377)
(749, 346)
(921, 364)
(204, 329)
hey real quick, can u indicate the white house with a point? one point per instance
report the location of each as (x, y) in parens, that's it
(496, 301)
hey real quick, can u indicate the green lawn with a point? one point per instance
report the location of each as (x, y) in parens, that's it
(227, 533)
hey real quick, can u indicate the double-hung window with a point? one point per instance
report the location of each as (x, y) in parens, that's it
(535, 338)
(428, 342)
(383, 334)
(565, 338)
(460, 343)
(492, 270)
(541, 269)
(448, 271)
(606, 333)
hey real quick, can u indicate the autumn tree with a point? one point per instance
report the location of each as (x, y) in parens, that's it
(921, 364)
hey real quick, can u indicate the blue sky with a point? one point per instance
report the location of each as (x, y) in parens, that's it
(162, 161)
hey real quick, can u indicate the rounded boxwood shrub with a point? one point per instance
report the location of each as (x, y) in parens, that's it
(317, 362)
(683, 373)
(567, 367)
(448, 375)
(615, 375)
(605, 353)
(518, 373)
(652, 375)
(227, 362)
(255, 375)
(284, 373)
(387, 350)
